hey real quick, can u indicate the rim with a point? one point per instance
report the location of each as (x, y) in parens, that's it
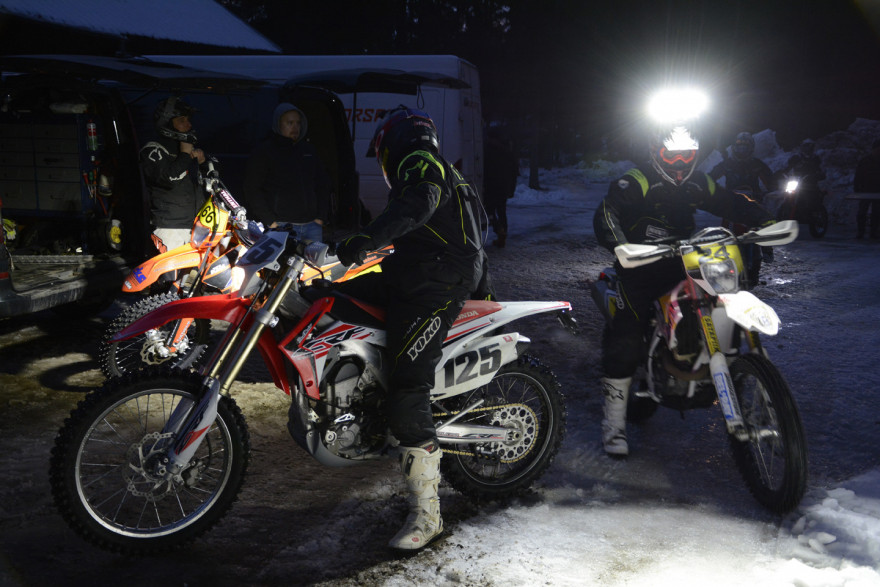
(517, 401)
(118, 468)
(766, 444)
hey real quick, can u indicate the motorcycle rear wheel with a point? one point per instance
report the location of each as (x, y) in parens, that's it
(524, 395)
(773, 462)
(117, 358)
(104, 465)
(818, 222)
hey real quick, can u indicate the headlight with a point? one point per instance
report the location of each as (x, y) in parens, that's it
(791, 186)
(721, 276)
(677, 104)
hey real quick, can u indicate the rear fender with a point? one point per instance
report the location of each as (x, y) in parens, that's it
(145, 274)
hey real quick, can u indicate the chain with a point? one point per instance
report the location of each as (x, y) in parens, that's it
(475, 410)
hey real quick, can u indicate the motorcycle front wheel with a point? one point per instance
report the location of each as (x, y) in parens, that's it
(818, 221)
(107, 465)
(525, 396)
(773, 461)
(149, 348)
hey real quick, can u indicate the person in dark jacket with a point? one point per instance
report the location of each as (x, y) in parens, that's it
(431, 218)
(653, 201)
(743, 172)
(170, 165)
(285, 180)
(499, 184)
(867, 180)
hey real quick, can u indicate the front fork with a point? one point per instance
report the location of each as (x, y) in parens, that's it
(190, 425)
(721, 376)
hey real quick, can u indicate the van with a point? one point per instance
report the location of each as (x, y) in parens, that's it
(445, 86)
(74, 210)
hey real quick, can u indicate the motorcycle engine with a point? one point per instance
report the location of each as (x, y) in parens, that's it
(350, 420)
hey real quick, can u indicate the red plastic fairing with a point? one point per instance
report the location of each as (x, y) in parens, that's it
(219, 307)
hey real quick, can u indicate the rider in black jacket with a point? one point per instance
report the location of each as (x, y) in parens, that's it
(744, 172)
(653, 201)
(170, 165)
(431, 218)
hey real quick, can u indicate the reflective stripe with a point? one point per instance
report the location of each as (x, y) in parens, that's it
(639, 177)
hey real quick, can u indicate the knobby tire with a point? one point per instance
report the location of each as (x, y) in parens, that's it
(103, 476)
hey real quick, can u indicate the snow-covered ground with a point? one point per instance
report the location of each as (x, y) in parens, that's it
(674, 513)
(665, 527)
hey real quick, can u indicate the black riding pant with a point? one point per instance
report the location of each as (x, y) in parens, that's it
(419, 314)
(624, 343)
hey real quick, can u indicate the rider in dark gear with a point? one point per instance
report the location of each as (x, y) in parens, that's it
(651, 202)
(170, 165)
(744, 172)
(431, 218)
(806, 166)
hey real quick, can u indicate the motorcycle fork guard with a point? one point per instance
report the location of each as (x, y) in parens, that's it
(721, 378)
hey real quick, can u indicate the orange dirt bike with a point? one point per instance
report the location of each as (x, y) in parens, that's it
(220, 235)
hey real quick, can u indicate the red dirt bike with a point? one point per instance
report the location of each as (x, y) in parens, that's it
(220, 234)
(155, 458)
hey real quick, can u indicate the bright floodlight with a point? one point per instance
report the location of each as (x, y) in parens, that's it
(677, 105)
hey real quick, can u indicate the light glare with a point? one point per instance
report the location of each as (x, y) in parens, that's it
(677, 105)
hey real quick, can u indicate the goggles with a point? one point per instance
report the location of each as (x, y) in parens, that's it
(673, 157)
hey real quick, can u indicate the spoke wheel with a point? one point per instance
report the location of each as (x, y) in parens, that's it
(523, 397)
(773, 461)
(108, 468)
(149, 348)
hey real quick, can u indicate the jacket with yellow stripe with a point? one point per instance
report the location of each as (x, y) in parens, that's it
(641, 206)
(431, 218)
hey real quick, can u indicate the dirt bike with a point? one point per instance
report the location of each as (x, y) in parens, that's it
(155, 458)
(703, 348)
(803, 206)
(220, 234)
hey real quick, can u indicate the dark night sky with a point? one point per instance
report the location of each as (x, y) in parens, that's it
(801, 67)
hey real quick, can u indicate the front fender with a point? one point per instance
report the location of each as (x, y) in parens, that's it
(744, 308)
(219, 307)
(227, 308)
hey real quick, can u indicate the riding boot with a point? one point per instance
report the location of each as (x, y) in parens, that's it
(616, 392)
(420, 466)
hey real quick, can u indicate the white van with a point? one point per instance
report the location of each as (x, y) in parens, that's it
(445, 86)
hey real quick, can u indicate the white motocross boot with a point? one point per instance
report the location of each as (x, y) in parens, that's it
(420, 466)
(616, 392)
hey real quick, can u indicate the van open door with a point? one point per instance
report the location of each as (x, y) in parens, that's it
(74, 211)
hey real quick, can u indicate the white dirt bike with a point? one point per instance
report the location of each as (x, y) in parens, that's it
(703, 348)
(156, 457)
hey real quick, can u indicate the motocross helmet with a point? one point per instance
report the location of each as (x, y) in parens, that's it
(744, 146)
(674, 153)
(400, 132)
(166, 111)
(808, 147)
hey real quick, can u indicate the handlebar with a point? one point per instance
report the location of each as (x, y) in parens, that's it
(637, 254)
